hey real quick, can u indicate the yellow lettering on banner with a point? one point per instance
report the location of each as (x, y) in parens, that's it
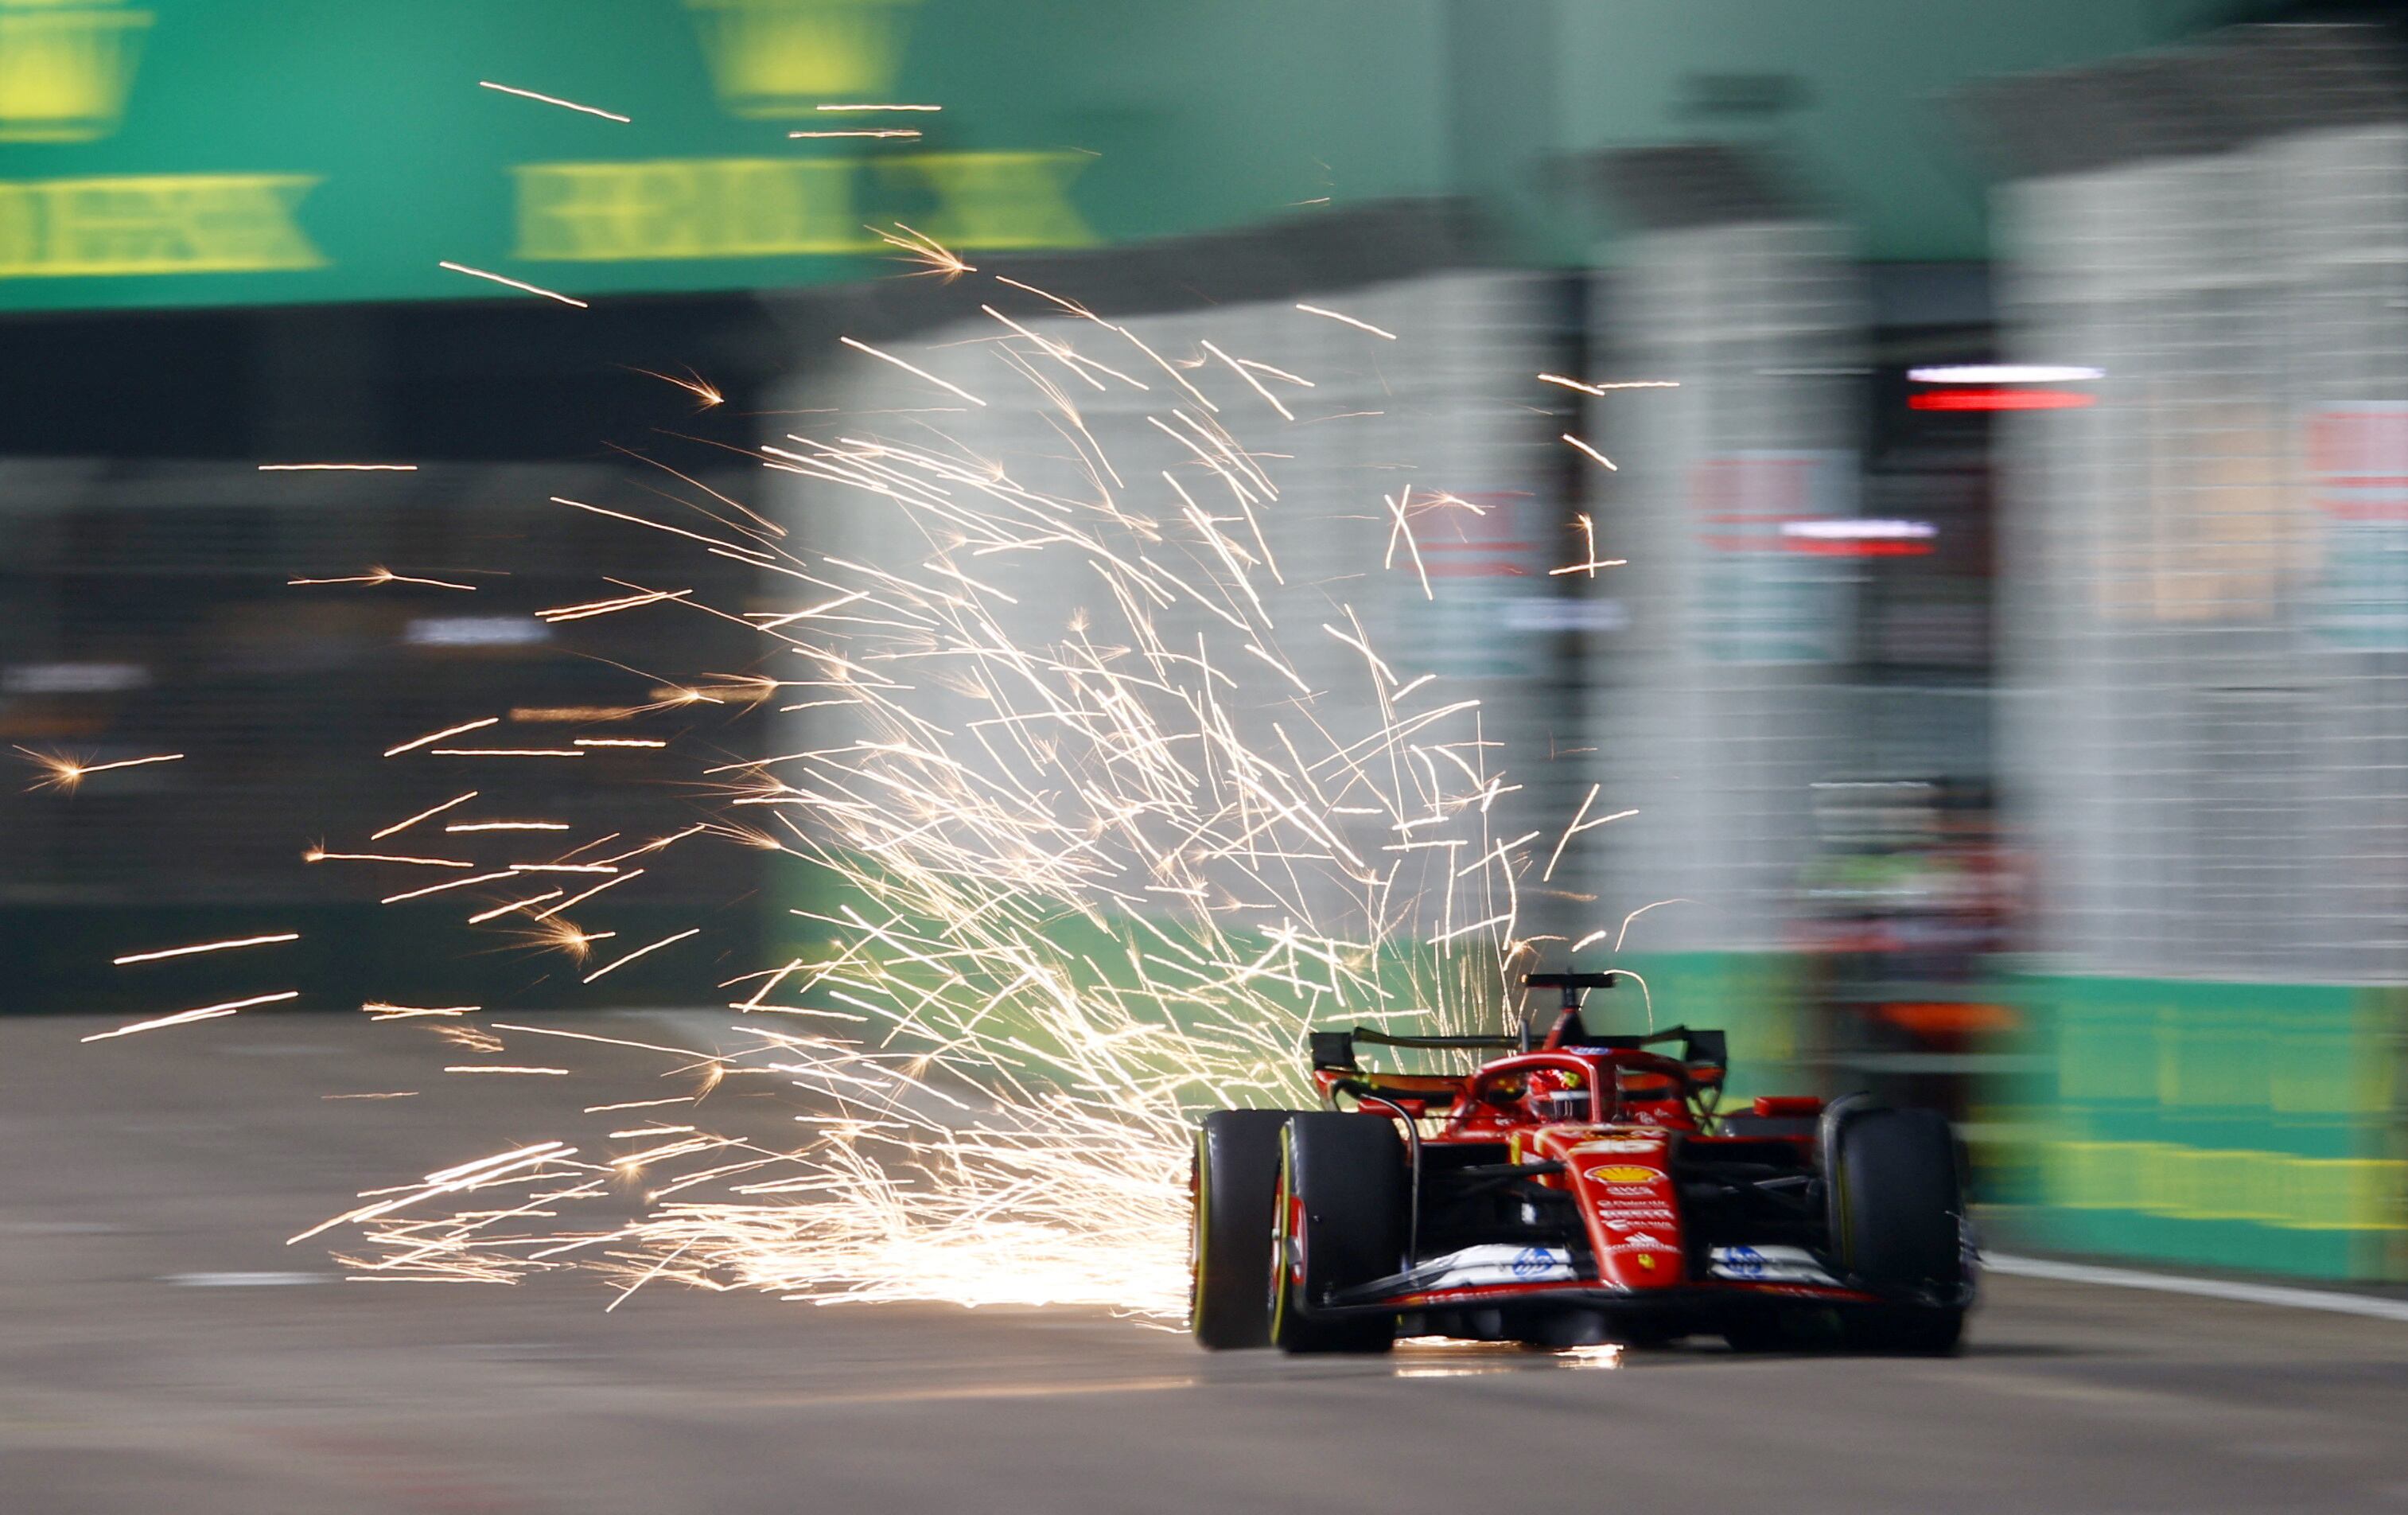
(752, 208)
(2200, 1183)
(153, 223)
(687, 208)
(999, 199)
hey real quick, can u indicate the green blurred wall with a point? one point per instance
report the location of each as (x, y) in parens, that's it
(1870, 131)
(2249, 1126)
(267, 151)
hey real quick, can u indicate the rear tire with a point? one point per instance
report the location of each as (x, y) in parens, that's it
(1230, 1186)
(1896, 1218)
(1339, 1221)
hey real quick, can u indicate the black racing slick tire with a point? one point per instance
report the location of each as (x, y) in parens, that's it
(1339, 1221)
(1230, 1187)
(1896, 1227)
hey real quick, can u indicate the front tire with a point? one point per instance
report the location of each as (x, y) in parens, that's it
(1339, 1221)
(1231, 1188)
(1896, 1218)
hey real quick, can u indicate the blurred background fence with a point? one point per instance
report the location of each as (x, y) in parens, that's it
(2027, 739)
(2203, 603)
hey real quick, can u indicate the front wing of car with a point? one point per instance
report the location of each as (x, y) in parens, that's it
(1495, 1274)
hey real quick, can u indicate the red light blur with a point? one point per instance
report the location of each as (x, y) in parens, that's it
(2000, 399)
(1874, 548)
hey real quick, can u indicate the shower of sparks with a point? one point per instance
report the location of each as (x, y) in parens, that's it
(1404, 530)
(448, 885)
(1363, 325)
(574, 900)
(386, 575)
(881, 108)
(907, 132)
(318, 855)
(1591, 563)
(1237, 367)
(889, 358)
(338, 468)
(205, 946)
(185, 1017)
(620, 962)
(931, 256)
(1577, 827)
(1275, 374)
(401, 826)
(592, 608)
(63, 773)
(560, 936)
(1587, 388)
(1090, 866)
(1592, 452)
(464, 727)
(674, 531)
(549, 100)
(514, 284)
(573, 712)
(693, 384)
(1625, 931)
(483, 916)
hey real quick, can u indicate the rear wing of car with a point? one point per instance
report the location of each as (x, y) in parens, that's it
(1333, 1051)
(1699, 1048)
(1337, 1070)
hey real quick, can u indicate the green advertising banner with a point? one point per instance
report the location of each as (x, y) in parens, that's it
(271, 151)
(243, 151)
(2250, 1126)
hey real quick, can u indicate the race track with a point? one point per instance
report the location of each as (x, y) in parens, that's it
(162, 1351)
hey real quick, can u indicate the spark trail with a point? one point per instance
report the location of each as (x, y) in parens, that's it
(1073, 874)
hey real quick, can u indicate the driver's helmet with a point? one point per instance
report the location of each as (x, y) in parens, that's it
(1558, 1094)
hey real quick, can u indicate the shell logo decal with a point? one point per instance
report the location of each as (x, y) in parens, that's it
(1617, 1174)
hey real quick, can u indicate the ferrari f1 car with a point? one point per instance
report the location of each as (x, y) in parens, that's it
(1584, 1189)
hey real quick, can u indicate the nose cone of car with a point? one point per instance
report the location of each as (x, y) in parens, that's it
(1622, 1183)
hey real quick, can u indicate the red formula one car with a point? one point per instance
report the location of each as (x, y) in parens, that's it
(1581, 1190)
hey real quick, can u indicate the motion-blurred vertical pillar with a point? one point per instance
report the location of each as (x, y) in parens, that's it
(1716, 671)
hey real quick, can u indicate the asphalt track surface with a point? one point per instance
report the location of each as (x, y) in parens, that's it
(136, 1375)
